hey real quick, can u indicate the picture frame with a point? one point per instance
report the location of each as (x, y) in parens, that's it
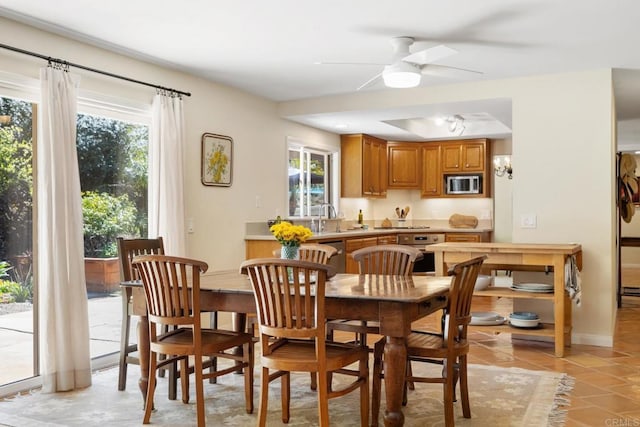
(216, 167)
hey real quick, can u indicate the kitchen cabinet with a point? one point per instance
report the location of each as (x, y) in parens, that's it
(464, 156)
(390, 239)
(431, 185)
(354, 244)
(467, 237)
(403, 165)
(363, 166)
(260, 248)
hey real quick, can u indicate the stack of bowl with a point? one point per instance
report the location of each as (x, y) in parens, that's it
(524, 319)
(486, 318)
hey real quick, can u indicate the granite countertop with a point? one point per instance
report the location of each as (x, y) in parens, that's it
(376, 232)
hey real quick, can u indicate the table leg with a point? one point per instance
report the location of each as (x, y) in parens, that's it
(143, 354)
(239, 321)
(559, 308)
(395, 356)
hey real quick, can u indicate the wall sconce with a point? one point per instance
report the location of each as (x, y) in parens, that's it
(502, 166)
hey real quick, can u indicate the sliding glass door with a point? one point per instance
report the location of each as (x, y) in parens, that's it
(112, 155)
(18, 331)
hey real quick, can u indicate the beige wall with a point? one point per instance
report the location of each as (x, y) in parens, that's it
(563, 157)
(259, 134)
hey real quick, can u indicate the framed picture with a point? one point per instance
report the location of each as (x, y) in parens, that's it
(217, 160)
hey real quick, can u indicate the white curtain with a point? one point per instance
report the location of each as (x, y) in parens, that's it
(62, 296)
(166, 182)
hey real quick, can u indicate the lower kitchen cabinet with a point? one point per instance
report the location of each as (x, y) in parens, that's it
(390, 239)
(467, 237)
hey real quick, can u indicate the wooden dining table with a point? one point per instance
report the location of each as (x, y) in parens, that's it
(394, 301)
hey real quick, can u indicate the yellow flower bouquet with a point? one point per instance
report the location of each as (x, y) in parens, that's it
(290, 235)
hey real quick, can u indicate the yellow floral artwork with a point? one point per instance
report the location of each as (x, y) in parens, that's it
(216, 159)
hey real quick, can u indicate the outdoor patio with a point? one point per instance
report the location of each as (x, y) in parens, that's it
(16, 333)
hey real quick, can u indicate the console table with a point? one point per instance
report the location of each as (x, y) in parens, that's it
(521, 256)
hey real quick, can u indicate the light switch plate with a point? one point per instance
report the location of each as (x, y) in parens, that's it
(528, 221)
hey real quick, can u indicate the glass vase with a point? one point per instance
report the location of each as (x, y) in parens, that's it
(290, 252)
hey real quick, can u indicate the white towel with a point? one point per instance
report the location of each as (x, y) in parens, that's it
(573, 283)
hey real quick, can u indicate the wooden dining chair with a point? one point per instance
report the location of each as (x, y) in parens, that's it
(448, 347)
(396, 260)
(127, 250)
(290, 297)
(312, 252)
(172, 291)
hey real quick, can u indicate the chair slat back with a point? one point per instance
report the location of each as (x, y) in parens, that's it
(129, 248)
(314, 252)
(172, 288)
(460, 296)
(387, 259)
(289, 297)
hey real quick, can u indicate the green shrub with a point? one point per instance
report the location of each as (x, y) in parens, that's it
(106, 217)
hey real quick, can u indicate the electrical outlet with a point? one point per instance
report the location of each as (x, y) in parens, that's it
(257, 201)
(528, 221)
(190, 228)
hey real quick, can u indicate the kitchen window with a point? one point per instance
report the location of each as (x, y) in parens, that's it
(309, 180)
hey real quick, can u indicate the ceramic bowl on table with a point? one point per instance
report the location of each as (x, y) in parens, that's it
(482, 282)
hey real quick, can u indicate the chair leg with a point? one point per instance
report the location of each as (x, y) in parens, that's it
(264, 397)
(173, 379)
(410, 384)
(448, 395)
(184, 379)
(323, 399)
(286, 396)
(314, 381)
(151, 388)
(364, 393)
(376, 386)
(248, 377)
(199, 390)
(213, 322)
(124, 339)
(464, 387)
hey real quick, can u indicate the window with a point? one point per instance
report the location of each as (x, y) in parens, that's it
(309, 181)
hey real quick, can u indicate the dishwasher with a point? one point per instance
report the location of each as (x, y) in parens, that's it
(338, 261)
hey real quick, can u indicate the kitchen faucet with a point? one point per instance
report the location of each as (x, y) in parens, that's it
(329, 210)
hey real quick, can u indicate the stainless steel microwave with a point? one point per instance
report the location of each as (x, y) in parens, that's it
(463, 184)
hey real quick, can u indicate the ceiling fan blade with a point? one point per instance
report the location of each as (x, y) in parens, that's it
(447, 71)
(432, 54)
(349, 63)
(370, 81)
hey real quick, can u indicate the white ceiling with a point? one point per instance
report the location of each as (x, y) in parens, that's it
(270, 48)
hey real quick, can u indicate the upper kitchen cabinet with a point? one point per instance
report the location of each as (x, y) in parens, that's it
(403, 164)
(363, 166)
(464, 156)
(431, 174)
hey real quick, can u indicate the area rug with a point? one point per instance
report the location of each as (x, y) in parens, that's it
(499, 397)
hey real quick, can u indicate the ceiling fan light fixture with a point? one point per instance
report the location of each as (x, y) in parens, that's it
(401, 75)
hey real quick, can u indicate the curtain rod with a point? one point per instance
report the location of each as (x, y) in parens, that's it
(93, 70)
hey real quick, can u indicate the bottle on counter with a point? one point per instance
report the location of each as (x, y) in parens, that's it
(360, 219)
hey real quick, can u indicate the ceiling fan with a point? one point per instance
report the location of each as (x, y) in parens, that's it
(406, 68)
